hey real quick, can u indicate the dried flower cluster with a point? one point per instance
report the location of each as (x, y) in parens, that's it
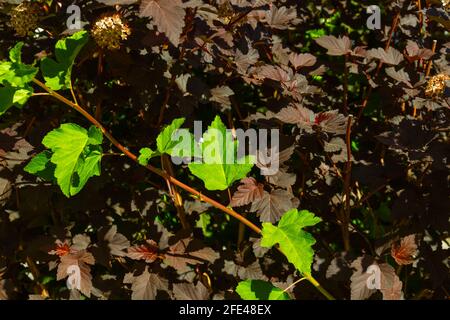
(446, 4)
(110, 31)
(436, 85)
(24, 18)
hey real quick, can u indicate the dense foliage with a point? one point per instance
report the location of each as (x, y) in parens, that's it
(88, 117)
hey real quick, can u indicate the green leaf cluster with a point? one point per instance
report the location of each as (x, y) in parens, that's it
(219, 166)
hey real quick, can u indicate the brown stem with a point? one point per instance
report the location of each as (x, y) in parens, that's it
(241, 232)
(177, 199)
(394, 26)
(419, 8)
(239, 18)
(98, 106)
(345, 108)
(166, 101)
(169, 92)
(347, 180)
(36, 274)
(430, 63)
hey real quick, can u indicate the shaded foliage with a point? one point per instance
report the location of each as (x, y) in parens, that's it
(364, 120)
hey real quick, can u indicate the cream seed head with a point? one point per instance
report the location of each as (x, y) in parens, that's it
(24, 18)
(446, 4)
(436, 85)
(109, 31)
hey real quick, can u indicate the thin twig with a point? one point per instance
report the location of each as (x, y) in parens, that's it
(394, 26)
(430, 63)
(347, 180)
(345, 108)
(293, 284)
(177, 199)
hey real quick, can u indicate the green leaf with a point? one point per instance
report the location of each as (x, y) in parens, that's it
(88, 166)
(15, 76)
(145, 154)
(219, 167)
(15, 73)
(95, 136)
(171, 141)
(175, 142)
(295, 243)
(76, 153)
(165, 140)
(10, 96)
(41, 166)
(57, 74)
(260, 290)
(15, 54)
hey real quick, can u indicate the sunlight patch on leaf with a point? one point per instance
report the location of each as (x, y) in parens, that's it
(260, 290)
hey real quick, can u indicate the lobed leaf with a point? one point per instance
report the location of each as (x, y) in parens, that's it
(295, 243)
(335, 46)
(76, 154)
(57, 73)
(167, 15)
(220, 168)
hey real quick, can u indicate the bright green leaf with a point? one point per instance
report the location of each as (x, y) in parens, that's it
(171, 141)
(15, 54)
(315, 33)
(10, 96)
(165, 140)
(76, 154)
(15, 76)
(145, 154)
(175, 142)
(41, 166)
(260, 290)
(295, 243)
(57, 74)
(88, 166)
(219, 167)
(15, 73)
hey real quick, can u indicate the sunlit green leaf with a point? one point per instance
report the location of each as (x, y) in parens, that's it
(15, 73)
(57, 74)
(76, 153)
(145, 154)
(295, 243)
(41, 166)
(220, 167)
(260, 290)
(10, 96)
